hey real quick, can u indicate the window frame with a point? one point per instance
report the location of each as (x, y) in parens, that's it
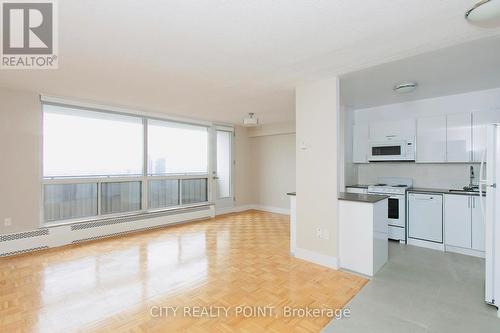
(144, 178)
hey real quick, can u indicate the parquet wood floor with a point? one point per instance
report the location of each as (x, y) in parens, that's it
(121, 284)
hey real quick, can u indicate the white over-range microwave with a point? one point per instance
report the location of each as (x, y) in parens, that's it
(392, 150)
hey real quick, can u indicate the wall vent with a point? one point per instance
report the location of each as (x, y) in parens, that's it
(121, 233)
(41, 239)
(106, 222)
(23, 251)
(22, 235)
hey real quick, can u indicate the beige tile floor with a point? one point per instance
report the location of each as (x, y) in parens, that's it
(421, 290)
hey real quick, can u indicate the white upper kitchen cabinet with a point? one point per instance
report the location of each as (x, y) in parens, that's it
(388, 130)
(457, 220)
(478, 225)
(431, 139)
(459, 137)
(360, 143)
(479, 121)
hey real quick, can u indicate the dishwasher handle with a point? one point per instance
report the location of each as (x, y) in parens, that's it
(422, 197)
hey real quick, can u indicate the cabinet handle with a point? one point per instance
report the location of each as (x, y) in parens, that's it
(468, 202)
(473, 202)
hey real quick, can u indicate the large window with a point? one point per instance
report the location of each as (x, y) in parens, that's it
(175, 148)
(98, 163)
(85, 143)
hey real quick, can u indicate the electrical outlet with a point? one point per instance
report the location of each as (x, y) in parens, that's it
(7, 222)
(318, 232)
(326, 234)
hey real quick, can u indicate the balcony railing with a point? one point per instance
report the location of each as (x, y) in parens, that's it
(81, 199)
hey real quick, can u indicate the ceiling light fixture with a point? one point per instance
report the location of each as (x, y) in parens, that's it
(405, 88)
(485, 11)
(251, 120)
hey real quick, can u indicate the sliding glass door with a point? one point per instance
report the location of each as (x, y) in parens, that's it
(222, 174)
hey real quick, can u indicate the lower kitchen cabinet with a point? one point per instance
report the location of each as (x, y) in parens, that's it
(458, 223)
(478, 225)
(464, 222)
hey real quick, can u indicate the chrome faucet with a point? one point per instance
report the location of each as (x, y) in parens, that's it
(471, 176)
(471, 186)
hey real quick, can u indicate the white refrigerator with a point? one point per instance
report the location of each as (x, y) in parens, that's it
(491, 211)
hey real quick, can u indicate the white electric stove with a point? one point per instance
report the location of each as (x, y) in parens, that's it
(396, 189)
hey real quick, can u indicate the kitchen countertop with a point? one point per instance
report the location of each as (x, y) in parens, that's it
(440, 190)
(423, 189)
(358, 186)
(359, 197)
(368, 198)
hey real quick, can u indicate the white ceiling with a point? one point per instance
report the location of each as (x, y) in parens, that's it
(219, 60)
(457, 69)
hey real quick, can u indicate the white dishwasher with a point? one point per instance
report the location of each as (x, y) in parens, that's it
(425, 217)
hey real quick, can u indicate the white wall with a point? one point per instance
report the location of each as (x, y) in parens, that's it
(243, 190)
(349, 175)
(424, 175)
(265, 166)
(273, 169)
(272, 129)
(20, 156)
(317, 113)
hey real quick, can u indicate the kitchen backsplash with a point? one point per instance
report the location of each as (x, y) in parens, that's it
(423, 175)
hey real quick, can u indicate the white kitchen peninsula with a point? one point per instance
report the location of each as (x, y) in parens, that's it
(363, 232)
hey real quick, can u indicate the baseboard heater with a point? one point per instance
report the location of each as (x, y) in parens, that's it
(50, 237)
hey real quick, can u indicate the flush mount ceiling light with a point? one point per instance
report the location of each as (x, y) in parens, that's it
(405, 88)
(251, 120)
(485, 11)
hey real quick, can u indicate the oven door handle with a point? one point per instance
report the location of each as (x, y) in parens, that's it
(390, 196)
